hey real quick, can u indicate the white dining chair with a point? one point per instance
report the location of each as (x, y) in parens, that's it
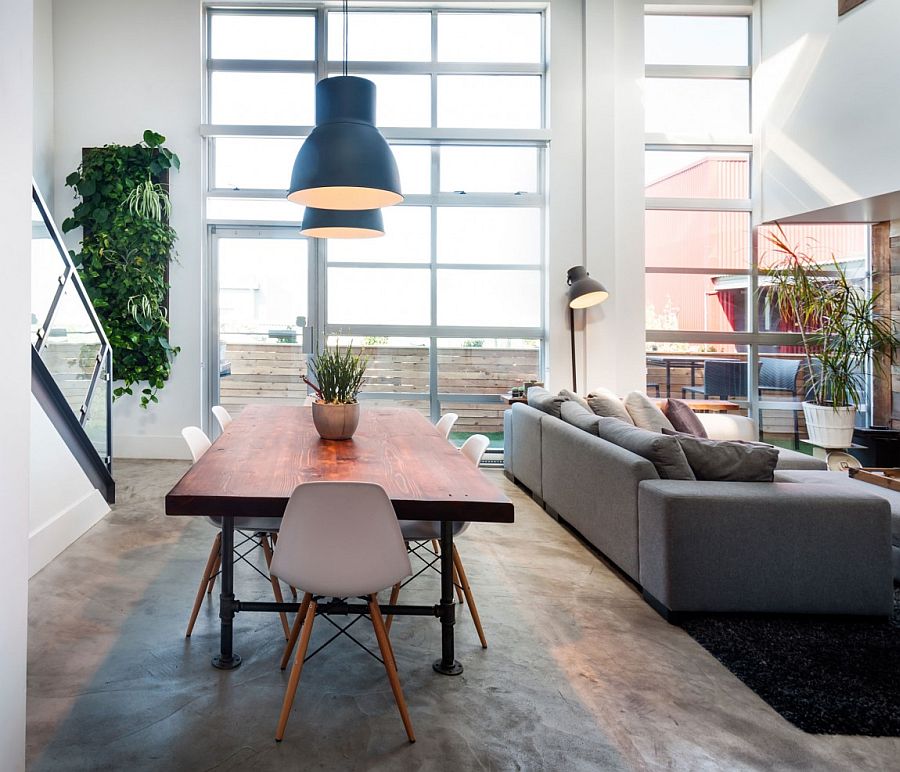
(251, 528)
(420, 532)
(223, 417)
(340, 540)
(445, 424)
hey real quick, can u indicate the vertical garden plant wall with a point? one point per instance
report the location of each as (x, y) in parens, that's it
(126, 246)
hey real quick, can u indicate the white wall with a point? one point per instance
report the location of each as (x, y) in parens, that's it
(826, 97)
(120, 68)
(63, 503)
(15, 225)
(596, 189)
(43, 99)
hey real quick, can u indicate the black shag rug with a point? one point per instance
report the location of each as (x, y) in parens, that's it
(824, 675)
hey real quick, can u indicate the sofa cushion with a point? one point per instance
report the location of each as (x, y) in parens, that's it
(544, 401)
(571, 395)
(607, 404)
(794, 459)
(729, 460)
(645, 414)
(573, 413)
(684, 419)
(663, 452)
(824, 477)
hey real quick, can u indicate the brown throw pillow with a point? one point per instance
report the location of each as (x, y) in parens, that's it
(683, 418)
(571, 395)
(728, 460)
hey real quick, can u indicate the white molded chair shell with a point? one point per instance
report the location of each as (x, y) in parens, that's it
(198, 443)
(222, 416)
(445, 425)
(340, 539)
(473, 448)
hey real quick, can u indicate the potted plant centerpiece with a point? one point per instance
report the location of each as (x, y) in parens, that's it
(842, 335)
(338, 377)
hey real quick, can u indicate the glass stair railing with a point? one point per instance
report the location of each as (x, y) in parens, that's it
(71, 360)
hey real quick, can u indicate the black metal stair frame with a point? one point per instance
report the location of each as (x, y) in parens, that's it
(67, 422)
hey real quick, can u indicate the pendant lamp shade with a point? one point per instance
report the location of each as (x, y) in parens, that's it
(584, 291)
(342, 224)
(346, 162)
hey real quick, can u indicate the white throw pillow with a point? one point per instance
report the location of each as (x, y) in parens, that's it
(645, 414)
(606, 403)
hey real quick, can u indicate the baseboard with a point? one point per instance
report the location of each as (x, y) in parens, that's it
(150, 446)
(53, 537)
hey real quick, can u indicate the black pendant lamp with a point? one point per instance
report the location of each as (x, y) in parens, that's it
(345, 164)
(342, 224)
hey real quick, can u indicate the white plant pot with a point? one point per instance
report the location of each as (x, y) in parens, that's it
(335, 422)
(828, 426)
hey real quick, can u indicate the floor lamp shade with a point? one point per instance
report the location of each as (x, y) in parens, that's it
(342, 223)
(346, 162)
(584, 291)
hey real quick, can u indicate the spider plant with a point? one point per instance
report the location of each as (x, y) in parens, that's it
(838, 321)
(339, 375)
(149, 199)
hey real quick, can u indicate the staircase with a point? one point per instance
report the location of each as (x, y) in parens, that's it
(71, 359)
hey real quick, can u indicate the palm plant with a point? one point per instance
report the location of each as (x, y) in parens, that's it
(339, 375)
(839, 323)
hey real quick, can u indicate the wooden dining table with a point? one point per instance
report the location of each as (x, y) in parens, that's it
(267, 451)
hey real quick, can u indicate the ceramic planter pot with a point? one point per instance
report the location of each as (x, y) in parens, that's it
(335, 422)
(828, 426)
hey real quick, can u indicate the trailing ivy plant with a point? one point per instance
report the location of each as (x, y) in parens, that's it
(126, 246)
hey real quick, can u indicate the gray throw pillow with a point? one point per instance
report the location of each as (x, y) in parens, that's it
(544, 401)
(663, 451)
(574, 397)
(684, 419)
(728, 460)
(573, 413)
(606, 403)
(644, 412)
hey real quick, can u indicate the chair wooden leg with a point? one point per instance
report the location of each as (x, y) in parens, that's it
(295, 629)
(290, 586)
(436, 546)
(458, 585)
(215, 572)
(294, 679)
(204, 582)
(390, 665)
(276, 585)
(395, 593)
(470, 600)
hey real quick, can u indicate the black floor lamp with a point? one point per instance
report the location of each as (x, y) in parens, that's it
(584, 292)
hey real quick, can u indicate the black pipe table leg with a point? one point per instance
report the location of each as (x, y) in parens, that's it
(226, 659)
(447, 664)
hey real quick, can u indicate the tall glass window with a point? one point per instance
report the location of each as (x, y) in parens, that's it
(449, 303)
(713, 331)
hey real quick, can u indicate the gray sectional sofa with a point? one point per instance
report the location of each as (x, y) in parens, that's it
(802, 544)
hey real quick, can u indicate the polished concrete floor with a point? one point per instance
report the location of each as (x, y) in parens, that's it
(580, 673)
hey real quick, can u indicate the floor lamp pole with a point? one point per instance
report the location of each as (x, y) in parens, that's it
(572, 331)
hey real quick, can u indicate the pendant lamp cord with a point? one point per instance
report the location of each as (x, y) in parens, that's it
(346, 27)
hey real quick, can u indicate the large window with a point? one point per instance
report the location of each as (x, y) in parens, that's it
(713, 330)
(450, 302)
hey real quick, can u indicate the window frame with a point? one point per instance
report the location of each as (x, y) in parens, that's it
(433, 137)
